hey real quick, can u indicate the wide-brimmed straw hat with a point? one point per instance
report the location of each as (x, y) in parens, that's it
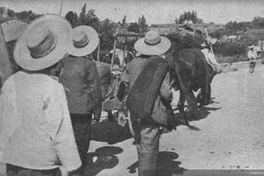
(84, 41)
(43, 43)
(209, 41)
(152, 44)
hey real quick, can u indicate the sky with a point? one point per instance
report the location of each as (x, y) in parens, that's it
(155, 11)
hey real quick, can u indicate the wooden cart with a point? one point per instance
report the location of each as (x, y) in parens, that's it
(112, 102)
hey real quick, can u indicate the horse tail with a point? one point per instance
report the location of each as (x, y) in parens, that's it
(207, 82)
(181, 85)
(174, 65)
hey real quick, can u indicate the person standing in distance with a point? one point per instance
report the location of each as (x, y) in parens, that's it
(253, 54)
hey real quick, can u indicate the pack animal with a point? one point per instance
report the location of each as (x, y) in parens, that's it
(191, 72)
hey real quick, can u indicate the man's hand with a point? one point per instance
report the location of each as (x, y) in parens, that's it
(121, 118)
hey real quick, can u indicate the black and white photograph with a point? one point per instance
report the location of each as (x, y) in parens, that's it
(131, 87)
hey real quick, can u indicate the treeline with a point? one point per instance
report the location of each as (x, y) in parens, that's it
(107, 28)
(188, 17)
(246, 33)
(234, 27)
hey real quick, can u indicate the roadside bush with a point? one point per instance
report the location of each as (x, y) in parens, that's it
(230, 49)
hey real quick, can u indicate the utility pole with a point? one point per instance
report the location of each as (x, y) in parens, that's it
(61, 6)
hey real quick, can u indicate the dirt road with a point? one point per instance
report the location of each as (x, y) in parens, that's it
(229, 136)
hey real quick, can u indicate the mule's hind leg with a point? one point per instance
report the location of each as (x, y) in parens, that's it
(204, 97)
(208, 97)
(193, 112)
(181, 107)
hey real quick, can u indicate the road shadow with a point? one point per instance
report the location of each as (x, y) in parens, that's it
(206, 110)
(106, 159)
(166, 165)
(202, 113)
(110, 131)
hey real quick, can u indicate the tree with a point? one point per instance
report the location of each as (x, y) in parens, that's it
(82, 16)
(11, 13)
(72, 17)
(107, 29)
(124, 20)
(258, 22)
(188, 16)
(92, 19)
(89, 19)
(139, 20)
(134, 27)
(233, 27)
(143, 24)
(26, 16)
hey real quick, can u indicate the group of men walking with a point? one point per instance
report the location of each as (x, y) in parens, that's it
(46, 109)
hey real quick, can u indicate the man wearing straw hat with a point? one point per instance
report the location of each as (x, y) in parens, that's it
(253, 54)
(82, 81)
(149, 98)
(36, 135)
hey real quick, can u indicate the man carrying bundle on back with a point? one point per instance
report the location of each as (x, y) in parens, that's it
(149, 98)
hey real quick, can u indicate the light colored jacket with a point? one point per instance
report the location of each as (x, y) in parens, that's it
(35, 125)
(210, 58)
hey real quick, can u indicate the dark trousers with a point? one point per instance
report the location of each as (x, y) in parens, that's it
(82, 131)
(12, 170)
(252, 66)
